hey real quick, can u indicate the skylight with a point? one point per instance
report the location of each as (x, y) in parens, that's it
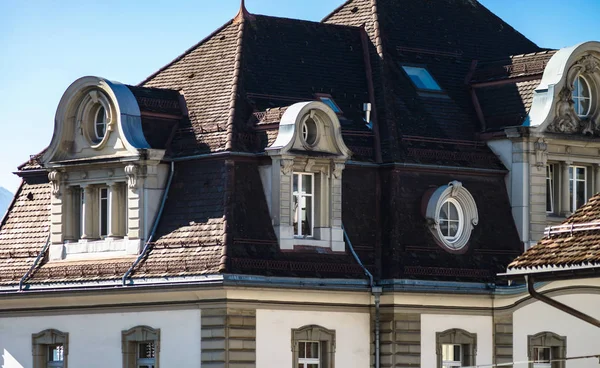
(329, 102)
(421, 78)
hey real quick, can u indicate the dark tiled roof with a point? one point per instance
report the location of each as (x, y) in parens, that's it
(204, 75)
(506, 104)
(24, 231)
(569, 247)
(514, 66)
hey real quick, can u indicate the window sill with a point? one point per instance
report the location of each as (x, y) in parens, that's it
(94, 248)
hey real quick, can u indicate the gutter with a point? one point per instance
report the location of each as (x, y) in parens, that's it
(558, 305)
(154, 227)
(376, 291)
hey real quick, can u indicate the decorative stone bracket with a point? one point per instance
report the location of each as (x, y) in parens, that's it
(55, 180)
(132, 171)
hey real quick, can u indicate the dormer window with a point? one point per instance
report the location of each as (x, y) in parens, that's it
(100, 124)
(451, 220)
(582, 96)
(421, 78)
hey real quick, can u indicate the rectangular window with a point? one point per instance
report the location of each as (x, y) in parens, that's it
(452, 355)
(550, 188)
(55, 356)
(146, 355)
(421, 78)
(81, 212)
(104, 212)
(303, 184)
(542, 357)
(577, 186)
(309, 354)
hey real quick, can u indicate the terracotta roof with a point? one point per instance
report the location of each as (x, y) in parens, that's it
(565, 246)
(24, 231)
(513, 66)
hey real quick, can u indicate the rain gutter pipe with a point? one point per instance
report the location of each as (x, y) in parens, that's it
(375, 290)
(34, 265)
(556, 304)
(154, 226)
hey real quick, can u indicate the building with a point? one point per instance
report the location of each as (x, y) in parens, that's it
(293, 193)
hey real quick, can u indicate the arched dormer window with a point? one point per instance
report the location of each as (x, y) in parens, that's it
(582, 96)
(303, 182)
(100, 124)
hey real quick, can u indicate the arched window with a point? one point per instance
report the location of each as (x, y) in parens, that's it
(546, 349)
(313, 347)
(50, 349)
(141, 347)
(455, 348)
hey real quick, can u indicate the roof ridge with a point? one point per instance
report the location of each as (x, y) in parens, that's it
(334, 11)
(185, 53)
(236, 78)
(376, 28)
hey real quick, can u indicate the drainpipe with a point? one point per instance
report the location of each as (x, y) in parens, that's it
(558, 305)
(154, 226)
(375, 290)
(34, 265)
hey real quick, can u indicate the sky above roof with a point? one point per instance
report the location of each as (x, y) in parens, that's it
(46, 47)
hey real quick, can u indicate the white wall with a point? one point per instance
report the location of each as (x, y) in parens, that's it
(274, 336)
(432, 323)
(582, 338)
(95, 339)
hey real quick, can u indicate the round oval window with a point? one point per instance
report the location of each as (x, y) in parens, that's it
(309, 131)
(582, 96)
(450, 219)
(100, 123)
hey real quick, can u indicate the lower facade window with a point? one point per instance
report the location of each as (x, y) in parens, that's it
(50, 349)
(146, 355)
(455, 348)
(547, 350)
(56, 356)
(309, 354)
(452, 355)
(313, 347)
(141, 347)
(303, 204)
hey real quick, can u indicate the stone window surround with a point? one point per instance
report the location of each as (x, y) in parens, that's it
(42, 340)
(457, 336)
(470, 217)
(67, 242)
(561, 181)
(117, 224)
(557, 343)
(130, 340)
(326, 338)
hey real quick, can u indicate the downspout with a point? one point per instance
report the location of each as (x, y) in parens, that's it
(558, 305)
(34, 265)
(154, 226)
(375, 290)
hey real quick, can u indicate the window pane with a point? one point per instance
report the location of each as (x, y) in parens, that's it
(307, 184)
(453, 212)
(444, 212)
(580, 194)
(580, 173)
(307, 216)
(302, 349)
(453, 228)
(295, 183)
(100, 122)
(296, 214)
(103, 211)
(549, 189)
(421, 78)
(146, 350)
(55, 353)
(312, 350)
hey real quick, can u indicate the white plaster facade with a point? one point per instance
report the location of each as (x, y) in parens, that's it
(95, 338)
(274, 328)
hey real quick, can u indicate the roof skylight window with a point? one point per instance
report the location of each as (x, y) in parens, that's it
(421, 78)
(328, 100)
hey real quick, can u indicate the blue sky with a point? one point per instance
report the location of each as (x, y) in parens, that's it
(45, 47)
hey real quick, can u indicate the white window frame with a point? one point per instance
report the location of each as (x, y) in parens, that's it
(102, 123)
(108, 211)
(461, 222)
(537, 362)
(550, 187)
(578, 95)
(453, 363)
(81, 212)
(304, 362)
(573, 182)
(55, 363)
(299, 195)
(145, 362)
